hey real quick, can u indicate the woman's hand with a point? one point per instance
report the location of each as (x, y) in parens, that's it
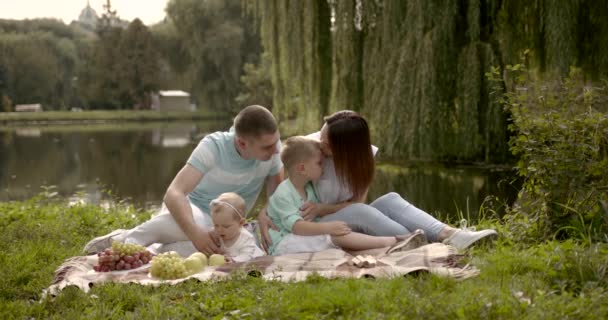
(265, 223)
(311, 210)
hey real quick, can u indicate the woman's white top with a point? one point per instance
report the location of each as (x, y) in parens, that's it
(328, 188)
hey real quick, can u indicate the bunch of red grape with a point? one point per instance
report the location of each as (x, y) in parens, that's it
(122, 256)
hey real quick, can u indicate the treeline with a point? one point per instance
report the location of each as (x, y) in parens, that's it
(416, 69)
(202, 47)
(38, 62)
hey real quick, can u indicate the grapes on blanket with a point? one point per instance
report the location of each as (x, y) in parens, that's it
(168, 265)
(122, 256)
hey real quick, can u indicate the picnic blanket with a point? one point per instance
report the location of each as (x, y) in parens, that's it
(434, 258)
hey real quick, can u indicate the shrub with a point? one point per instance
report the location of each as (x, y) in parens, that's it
(561, 140)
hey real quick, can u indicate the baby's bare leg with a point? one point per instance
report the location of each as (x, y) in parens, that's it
(358, 241)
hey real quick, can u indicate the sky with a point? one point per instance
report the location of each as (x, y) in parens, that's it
(148, 11)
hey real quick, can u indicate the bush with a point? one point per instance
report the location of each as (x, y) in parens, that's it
(561, 141)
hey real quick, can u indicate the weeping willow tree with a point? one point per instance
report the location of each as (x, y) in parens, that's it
(297, 36)
(416, 68)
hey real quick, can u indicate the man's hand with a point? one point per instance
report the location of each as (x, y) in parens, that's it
(207, 242)
(337, 228)
(265, 223)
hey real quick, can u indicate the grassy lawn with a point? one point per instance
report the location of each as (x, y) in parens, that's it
(106, 115)
(518, 281)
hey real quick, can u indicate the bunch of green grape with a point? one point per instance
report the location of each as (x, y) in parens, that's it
(127, 249)
(168, 265)
(122, 256)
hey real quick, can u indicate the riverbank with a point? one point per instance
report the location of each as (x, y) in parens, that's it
(546, 280)
(105, 116)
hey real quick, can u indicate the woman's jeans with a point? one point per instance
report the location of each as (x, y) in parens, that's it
(389, 215)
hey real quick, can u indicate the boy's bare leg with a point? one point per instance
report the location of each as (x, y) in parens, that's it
(358, 242)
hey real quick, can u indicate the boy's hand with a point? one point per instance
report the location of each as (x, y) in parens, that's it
(207, 243)
(337, 228)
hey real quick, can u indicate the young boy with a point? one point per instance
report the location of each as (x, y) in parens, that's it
(227, 213)
(302, 159)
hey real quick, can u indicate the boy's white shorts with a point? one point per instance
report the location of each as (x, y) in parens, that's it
(293, 243)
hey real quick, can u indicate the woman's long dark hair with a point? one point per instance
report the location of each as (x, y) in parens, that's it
(349, 140)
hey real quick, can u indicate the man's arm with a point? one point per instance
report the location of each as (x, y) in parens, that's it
(272, 182)
(176, 199)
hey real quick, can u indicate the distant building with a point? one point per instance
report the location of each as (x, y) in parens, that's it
(88, 17)
(36, 107)
(173, 100)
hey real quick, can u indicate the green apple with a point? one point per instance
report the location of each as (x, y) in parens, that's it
(201, 256)
(216, 260)
(193, 265)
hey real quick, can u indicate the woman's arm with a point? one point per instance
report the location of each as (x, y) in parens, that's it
(311, 210)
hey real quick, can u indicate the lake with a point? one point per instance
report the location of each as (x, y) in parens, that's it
(136, 163)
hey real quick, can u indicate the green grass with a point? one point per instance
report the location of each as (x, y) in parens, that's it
(518, 281)
(106, 115)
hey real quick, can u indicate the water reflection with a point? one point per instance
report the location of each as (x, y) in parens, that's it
(448, 190)
(134, 161)
(137, 162)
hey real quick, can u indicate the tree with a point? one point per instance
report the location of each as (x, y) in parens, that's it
(218, 45)
(140, 65)
(38, 61)
(101, 79)
(256, 84)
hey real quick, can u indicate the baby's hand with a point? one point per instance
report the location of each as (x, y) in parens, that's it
(338, 228)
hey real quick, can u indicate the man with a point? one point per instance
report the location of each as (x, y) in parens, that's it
(241, 160)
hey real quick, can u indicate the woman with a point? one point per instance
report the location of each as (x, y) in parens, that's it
(348, 171)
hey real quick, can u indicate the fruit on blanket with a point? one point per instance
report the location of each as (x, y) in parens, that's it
(216, 260)
(122, 256)
(169, 265)
(193, 264)
(201, 256)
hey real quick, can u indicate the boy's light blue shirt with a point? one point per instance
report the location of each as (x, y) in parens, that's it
(284, 209)
(226, 171)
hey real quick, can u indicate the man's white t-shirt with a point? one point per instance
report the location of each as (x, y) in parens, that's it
(226, 171)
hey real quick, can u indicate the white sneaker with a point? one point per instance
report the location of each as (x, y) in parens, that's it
(465, 237)
(100, 243)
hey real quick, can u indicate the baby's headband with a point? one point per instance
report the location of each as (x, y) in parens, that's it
(215, 202)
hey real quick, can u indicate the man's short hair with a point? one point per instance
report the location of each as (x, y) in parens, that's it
(254, 121)
(298, 149)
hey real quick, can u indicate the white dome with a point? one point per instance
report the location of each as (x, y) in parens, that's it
(88, 16)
